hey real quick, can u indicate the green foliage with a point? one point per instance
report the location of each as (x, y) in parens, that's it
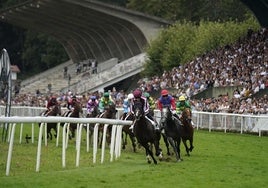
(41, 52)
(116, 2)
(183, 41)
(191, 10)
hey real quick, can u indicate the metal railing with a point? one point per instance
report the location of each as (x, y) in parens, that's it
(226, 122)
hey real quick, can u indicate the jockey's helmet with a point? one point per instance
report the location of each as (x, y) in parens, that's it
(93, 97)
(106, 94)
(137, 93)
(130, 96)
(164, 92)
(182, 98)
(147, 95)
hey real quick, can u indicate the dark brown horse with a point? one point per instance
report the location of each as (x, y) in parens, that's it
(187, 129)
(172, 130)
(74, 113)
(93, 114)
(108, 113)
(56, 110)
(146, 134)
(128, 132)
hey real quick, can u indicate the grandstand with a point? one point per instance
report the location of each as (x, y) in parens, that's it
(108, 73)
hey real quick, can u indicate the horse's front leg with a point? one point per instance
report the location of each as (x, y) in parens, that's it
(133, 141)
(175, 148)
(49, 135)
(124, 138)
(149, 153)
(186, 147)
(191, 145)
(166, 143)
(178, 143)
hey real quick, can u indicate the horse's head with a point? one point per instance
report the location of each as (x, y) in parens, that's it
(166, 113)
(95, 111)
(56, 110)
(138, 111)
(77, 108)
(109, 112)
(187, 115)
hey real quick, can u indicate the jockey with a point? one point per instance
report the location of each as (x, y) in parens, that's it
(71, 102)
(105, 101)
(139, 98)
(126, 104)
(92, 103)
(150, 101)
(52, 102)
(182, 104)
(167, 100)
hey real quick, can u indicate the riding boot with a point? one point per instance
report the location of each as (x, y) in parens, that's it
(152, 121)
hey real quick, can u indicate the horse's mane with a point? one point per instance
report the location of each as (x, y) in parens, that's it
(186, 116)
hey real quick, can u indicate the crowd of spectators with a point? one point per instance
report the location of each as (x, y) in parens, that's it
(244, 63)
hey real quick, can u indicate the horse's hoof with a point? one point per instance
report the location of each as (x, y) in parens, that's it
(160, 156)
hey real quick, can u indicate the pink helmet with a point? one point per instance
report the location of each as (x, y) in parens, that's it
(137, 93)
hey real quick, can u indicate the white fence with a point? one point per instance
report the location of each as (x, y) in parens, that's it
(115, 144)
(203, 120)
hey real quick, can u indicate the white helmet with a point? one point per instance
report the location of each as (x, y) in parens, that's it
(130, 96)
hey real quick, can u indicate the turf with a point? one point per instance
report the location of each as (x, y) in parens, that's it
(218, 160)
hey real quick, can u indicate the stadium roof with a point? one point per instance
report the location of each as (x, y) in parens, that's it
(90, 29)
(87, 29)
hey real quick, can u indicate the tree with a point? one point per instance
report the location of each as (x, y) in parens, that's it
(191, 10)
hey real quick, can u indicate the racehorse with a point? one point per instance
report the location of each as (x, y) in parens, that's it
(109, 113)
(127, 131)
(75, 113)
(93, 114)
(187, 130)
(173, 130)
(56, 110)
(146, 134)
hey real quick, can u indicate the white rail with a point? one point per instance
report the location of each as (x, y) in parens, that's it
(115, 137)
